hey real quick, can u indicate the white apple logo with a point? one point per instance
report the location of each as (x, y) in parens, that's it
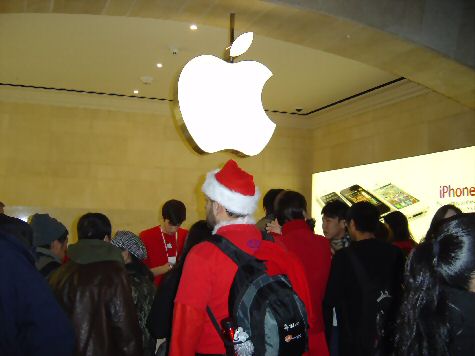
(221, 104)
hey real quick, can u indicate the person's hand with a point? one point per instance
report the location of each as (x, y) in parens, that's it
(158, 271)
(274, 227)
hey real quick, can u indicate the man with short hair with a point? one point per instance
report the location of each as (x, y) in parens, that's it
(208, 273)
(334, 229)
(334, 224)
(50, 237)
(93, 289)
(349, 292)
(164, 243)
(268, 204)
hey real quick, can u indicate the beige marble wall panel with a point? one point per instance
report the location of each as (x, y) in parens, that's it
(418, 125)
(70, 160)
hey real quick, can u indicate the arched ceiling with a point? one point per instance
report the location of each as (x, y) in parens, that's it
(106, 45)
(448, 27)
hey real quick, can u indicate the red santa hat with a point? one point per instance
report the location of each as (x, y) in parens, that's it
(233, 188)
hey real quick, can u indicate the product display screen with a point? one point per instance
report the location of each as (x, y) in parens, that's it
(395, 196)
(355, 194)
(416, 186)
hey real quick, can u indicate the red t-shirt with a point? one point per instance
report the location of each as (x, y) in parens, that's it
(208, 274)
(157, 252)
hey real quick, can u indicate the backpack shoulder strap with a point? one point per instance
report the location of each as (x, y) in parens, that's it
(227, 343)
(215, 322)
(267, 237)
(231, 250)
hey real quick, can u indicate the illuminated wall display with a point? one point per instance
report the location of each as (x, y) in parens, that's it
(220, 102)
(416, 186)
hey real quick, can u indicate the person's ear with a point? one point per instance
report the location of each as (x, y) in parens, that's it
(352, 224)
(218, 209)
(472, 283)
(126, 256)
(342, 223)
(107, 238)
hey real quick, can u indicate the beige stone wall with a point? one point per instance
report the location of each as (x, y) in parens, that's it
(68, 160)
(423, 123)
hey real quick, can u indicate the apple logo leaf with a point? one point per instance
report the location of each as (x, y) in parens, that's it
(241, 44)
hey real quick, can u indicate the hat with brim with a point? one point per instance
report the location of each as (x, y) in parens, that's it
(128, 241)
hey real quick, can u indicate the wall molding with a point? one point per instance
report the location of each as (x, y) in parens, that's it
(389, 95)
(72, 99)
(83, 100)
(386, 96)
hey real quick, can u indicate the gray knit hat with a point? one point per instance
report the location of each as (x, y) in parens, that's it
(129, 241)
(46, 229)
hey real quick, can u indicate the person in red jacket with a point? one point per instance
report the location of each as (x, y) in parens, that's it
(165, 242)
(208, 273)
(313, 251)
(401, 235)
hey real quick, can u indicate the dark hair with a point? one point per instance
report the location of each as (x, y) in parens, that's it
(199, 231)
(439, 217)
(94, 226)
(382, 232)
(174, 211)
(140, 267)
(17, 228)
(399, 226)
(335, 209)
(365, 215)
(446, 260)
(269, 200)
(292, 206)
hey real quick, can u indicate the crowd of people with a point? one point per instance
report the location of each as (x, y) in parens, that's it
(367, 287)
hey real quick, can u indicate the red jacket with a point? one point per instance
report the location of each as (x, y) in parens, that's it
(406, 246)
(315, 254)
(206, 280)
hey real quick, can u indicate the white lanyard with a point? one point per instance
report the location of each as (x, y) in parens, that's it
(171, 259)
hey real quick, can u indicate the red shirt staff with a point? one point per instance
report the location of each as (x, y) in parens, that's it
(165, 243)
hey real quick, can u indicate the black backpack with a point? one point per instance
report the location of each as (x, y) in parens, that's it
(378, 300)
(266, 315)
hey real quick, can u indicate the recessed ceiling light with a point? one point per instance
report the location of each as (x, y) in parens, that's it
(159, 65)
(193, 27)
(136, 91)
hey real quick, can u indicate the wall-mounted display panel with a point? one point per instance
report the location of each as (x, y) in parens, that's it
(416, 186)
